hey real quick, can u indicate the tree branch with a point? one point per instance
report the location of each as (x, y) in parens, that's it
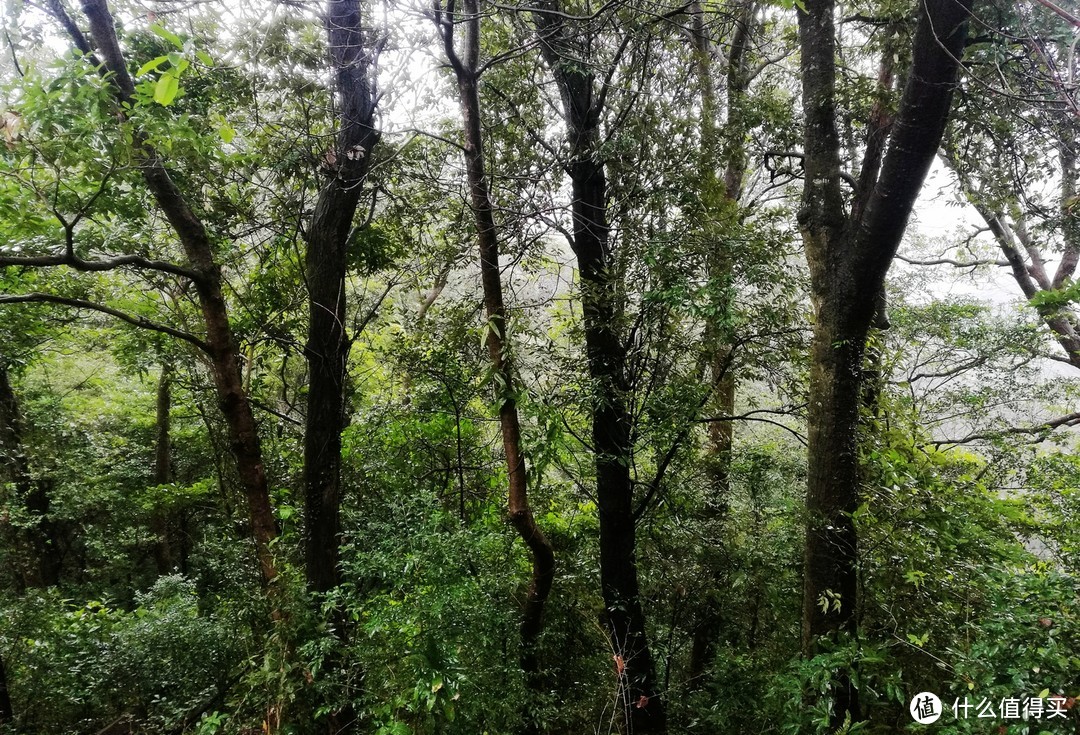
(274, 412)
(753, 416)
(90, 266)
(954, 263)
(1071, 419)
(799, 156)
(558, 13)
(917, 132)
(57, 10)
(1074, 19)
(136, 321)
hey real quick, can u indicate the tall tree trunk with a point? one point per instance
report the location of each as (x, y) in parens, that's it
(849, 255)
(465, 67)
(7, 714)
(42, 538)
(163, 470)
(327, 348)
(602, 315)
(830, 558)
(199, 249)
(719, 199)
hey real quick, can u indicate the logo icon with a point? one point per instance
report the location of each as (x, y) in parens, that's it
(925, 708)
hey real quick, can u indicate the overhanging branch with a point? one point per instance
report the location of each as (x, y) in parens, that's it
(136, 321)
(754, 416)
(122, 261)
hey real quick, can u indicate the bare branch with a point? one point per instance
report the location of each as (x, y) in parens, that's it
(1071, 419)
(954, 263)
(1074, 19)
(799, 156)
(274, 412)
(951, 372)
(754, 416)
(558, 13)
(433, 136)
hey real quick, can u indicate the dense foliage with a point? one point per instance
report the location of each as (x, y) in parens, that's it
(553, 279)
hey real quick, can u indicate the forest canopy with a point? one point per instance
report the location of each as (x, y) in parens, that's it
(465, 367)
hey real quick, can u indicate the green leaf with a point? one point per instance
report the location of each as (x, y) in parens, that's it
(166, 88)
(151, 65)
(227, 132)
(158, 30)
(204, 57)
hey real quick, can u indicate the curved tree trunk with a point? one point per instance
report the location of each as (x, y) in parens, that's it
(221, 344)
(465, 65)
(1024, 254)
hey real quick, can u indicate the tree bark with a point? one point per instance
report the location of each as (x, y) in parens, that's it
(7, 714)
(163, 470)
(719, 201)
(328, 343)
(465, 66)
(198, 247)
(43, 538)
(583, 103)
(849, 255)
(326, 263)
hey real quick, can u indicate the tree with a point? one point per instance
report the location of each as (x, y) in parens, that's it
(43, 568)
(352, 58)
(583, 101)
(465, 64)
(1000, 148)
(720, 212)
(163, 469)
(203, 271)
(849, 250)
(584, 386)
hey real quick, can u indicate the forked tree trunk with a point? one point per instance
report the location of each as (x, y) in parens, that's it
(465, 64)
(849, 255)
(328, 343)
